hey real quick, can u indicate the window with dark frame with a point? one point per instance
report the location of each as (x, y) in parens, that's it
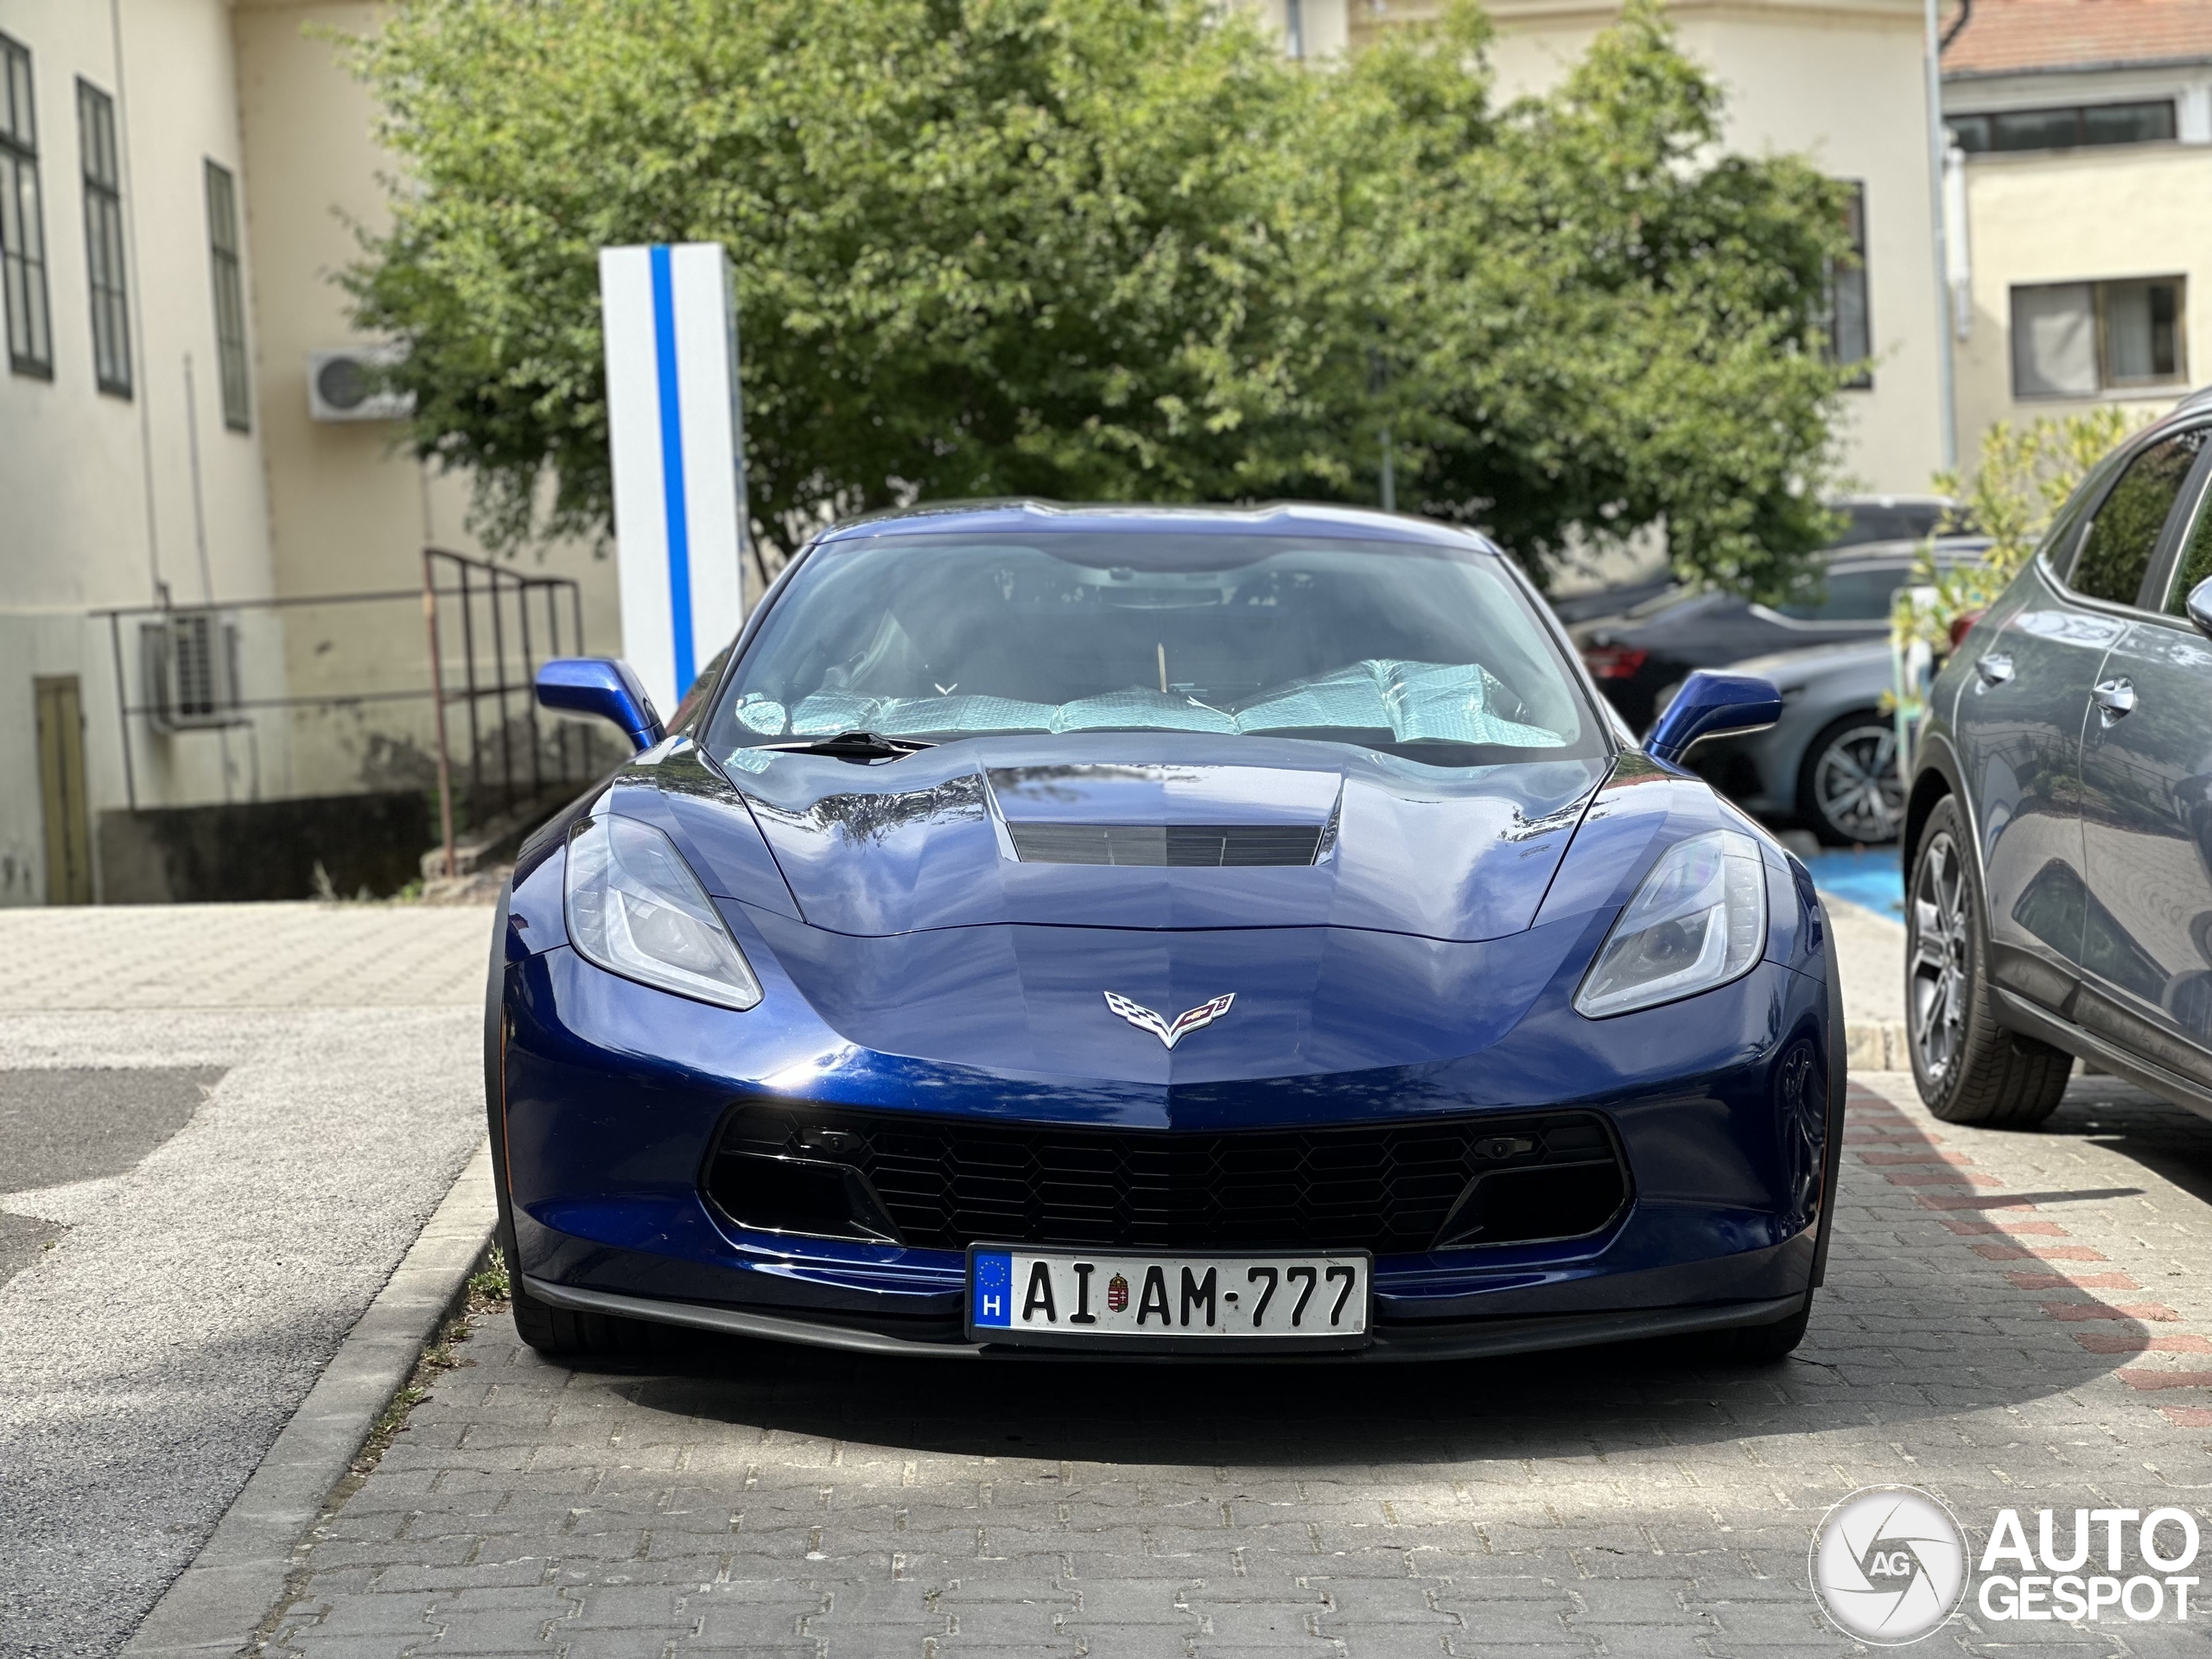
(2078, 340)
(1850, 324)
(2075, 127)
(22, 228)
(104, 256)
(229, 296)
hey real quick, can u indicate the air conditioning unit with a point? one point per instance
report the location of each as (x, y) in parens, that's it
(191, 670)
(342, 384)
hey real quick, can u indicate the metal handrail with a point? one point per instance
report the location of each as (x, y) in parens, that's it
(447, 578)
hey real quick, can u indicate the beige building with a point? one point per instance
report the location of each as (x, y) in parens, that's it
(1841, 82)
(178, 183)
(2082, 134)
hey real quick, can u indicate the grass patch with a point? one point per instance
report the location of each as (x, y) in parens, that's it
(487, 1290)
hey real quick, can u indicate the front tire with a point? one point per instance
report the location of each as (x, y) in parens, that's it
(1968, 1068)
(558, 1333)
(1769, 1345)
(1848, 789)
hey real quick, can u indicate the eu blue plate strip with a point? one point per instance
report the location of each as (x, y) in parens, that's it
(994, 1287)
(672, 471)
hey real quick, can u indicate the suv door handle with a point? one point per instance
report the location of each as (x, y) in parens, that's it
(1994, 667)
(2113, 699)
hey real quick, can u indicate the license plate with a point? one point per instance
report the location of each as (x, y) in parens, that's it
(1086, 1299)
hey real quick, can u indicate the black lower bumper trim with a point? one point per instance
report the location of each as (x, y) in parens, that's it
(2017, 1013)
(738, 1322)
(1498, 1338)
(1454, 1339)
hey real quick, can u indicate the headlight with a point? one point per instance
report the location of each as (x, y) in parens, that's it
(1698, 921)
(635, 909)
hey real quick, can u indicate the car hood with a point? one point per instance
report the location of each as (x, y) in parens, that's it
(1022, 1003)
(991, 831)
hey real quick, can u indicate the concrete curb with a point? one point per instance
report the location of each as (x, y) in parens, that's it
(1877, 1046)
(214, 1604)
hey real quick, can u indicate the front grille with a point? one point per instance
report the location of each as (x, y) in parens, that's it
(1193, 846)
(947, 1183)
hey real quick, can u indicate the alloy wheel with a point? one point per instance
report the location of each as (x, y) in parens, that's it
(1936, 989)
(1855, 784)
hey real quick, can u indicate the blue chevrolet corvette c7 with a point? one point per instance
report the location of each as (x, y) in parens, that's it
(1161, 931)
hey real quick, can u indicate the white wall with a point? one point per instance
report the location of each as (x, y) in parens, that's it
(349, 512)
(100, 490)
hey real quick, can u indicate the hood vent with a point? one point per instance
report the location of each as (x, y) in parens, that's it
(1179, 845)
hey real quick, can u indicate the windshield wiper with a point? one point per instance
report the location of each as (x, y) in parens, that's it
(855, 745)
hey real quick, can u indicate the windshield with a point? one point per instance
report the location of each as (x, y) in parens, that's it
(1429, 653)
(1896, 521)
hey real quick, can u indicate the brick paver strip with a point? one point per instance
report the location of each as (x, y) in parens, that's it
(2105, 1342)
(2072, 1282)
(2011, 1227)
(2167, 1379)
(2038, 1252)
(1941, 1178)
(773, 1500)
(2153, 1311)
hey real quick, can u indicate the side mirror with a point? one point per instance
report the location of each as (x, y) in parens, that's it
(604, 686)
(1709, 705)
(2199, 606)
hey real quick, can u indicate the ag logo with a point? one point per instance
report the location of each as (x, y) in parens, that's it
(1889, 1565)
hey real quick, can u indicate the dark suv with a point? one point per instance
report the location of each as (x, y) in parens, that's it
(2058, 835)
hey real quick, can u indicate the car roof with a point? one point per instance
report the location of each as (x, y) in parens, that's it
(1947, 547)
(1839, 502)
(1285, 519)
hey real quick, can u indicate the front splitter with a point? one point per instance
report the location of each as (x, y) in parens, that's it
(1454, 1339)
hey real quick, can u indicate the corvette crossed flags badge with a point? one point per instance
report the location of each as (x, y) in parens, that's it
(1170, 1031)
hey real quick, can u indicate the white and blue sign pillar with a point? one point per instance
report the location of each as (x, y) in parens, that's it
(677, 430)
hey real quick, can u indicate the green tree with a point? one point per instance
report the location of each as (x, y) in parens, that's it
(1112, 249)
(2021, 477)
(1606, 323)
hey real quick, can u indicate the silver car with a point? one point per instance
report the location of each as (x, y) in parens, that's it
(1830, 763)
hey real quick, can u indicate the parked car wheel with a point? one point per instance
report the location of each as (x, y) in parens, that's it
(1969, 1069)
(560, 1334)
(1765, 1345)
(1848, 789)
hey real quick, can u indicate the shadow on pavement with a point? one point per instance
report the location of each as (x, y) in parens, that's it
(1584, 1403)
(2169, 1140)
(1870, 1356)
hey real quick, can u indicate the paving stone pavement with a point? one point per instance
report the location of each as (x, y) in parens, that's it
(166, 957)
(2011, 1320)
